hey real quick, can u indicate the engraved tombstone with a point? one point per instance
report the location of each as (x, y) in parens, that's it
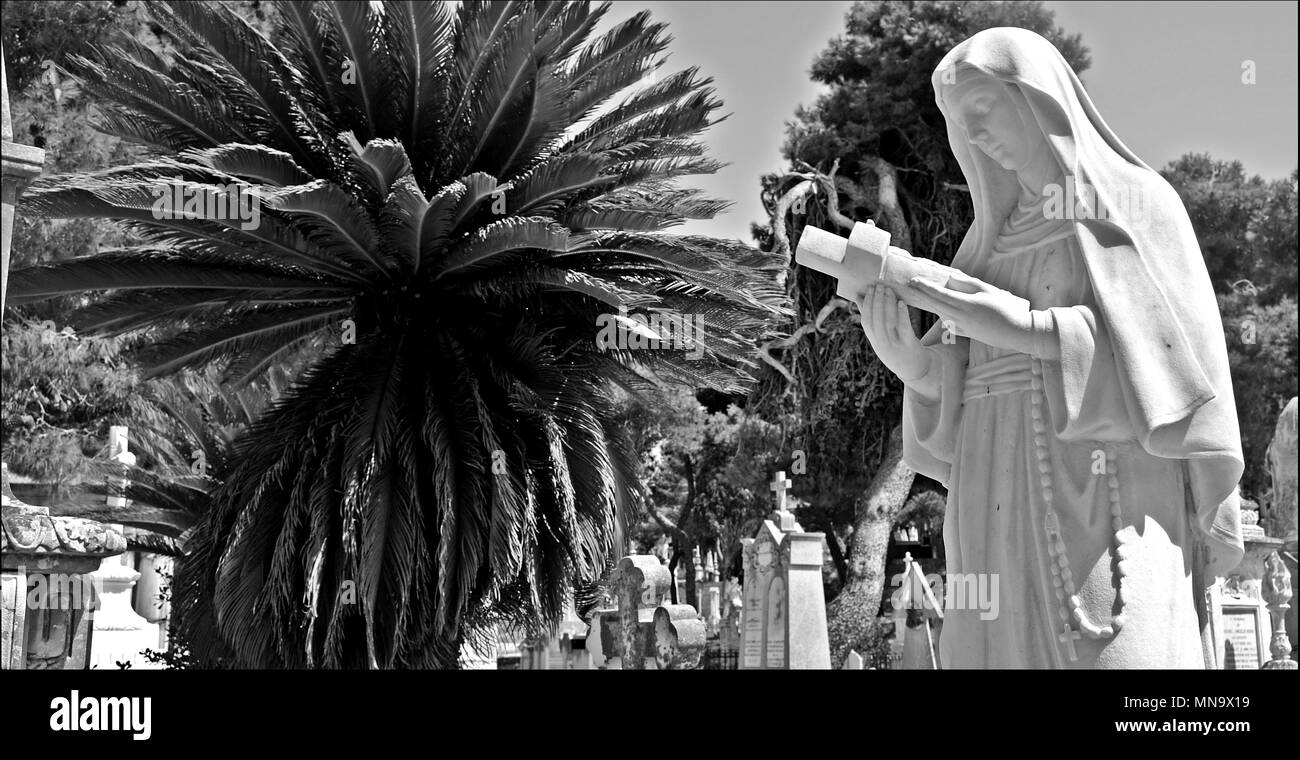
(783, 623)
(645, 632)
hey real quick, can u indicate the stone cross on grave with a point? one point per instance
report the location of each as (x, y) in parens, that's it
(643, 632)
(783, 517)
(783, 622)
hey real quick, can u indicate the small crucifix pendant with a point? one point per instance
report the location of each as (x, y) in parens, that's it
(1067, 638)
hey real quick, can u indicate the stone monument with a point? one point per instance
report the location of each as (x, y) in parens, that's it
(1078, 331)
(643, 632)
(783, 623)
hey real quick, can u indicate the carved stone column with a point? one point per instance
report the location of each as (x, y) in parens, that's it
(1277, 593)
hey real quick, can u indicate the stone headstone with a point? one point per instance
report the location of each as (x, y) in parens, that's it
(1243, 631)
(1239, 619)
(678, 637)
(644, 632)
(733, 603)
(711, 608)
(566, 648)
(783, 623)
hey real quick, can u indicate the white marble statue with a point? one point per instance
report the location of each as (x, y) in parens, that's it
(1075, 395)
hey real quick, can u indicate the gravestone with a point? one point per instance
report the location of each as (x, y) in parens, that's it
(783, 623)
(643, 632)
(566, 648)
(678, 637)
(708, 590)
(733, 603)
(1239, 618)
(1249, 605)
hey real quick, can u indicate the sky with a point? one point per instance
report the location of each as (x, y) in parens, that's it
(1166, 76)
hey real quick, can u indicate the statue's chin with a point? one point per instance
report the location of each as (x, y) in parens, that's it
(1006, 162)
(1010, 164)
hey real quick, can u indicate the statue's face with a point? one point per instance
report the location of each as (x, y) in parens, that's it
(984, 109)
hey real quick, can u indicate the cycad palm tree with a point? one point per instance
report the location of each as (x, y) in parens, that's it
(471, 185)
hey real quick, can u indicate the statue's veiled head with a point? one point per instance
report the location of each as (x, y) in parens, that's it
(1015, 110)
(995, 118)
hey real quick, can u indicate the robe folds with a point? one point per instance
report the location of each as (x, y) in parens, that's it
(994, 521)
(1136, 379)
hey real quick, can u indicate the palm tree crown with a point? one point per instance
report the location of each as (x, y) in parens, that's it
(450, 196)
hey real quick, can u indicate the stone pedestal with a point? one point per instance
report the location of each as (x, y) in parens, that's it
(1277, 592)
(120, 634)
(783, 624)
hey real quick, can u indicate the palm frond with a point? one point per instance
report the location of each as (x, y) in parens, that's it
(451, 203)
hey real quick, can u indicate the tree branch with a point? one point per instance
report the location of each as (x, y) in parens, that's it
(827, 182)
(663, 521)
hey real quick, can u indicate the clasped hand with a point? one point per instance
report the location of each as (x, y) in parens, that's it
(967, 307)
(972, 308)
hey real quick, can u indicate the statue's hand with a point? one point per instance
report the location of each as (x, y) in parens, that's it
(972, 308)
(885, 320)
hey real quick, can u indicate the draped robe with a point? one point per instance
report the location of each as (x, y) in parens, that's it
(1137, 376)
(994, 520)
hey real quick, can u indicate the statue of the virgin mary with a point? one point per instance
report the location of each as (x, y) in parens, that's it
(1088, 437)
